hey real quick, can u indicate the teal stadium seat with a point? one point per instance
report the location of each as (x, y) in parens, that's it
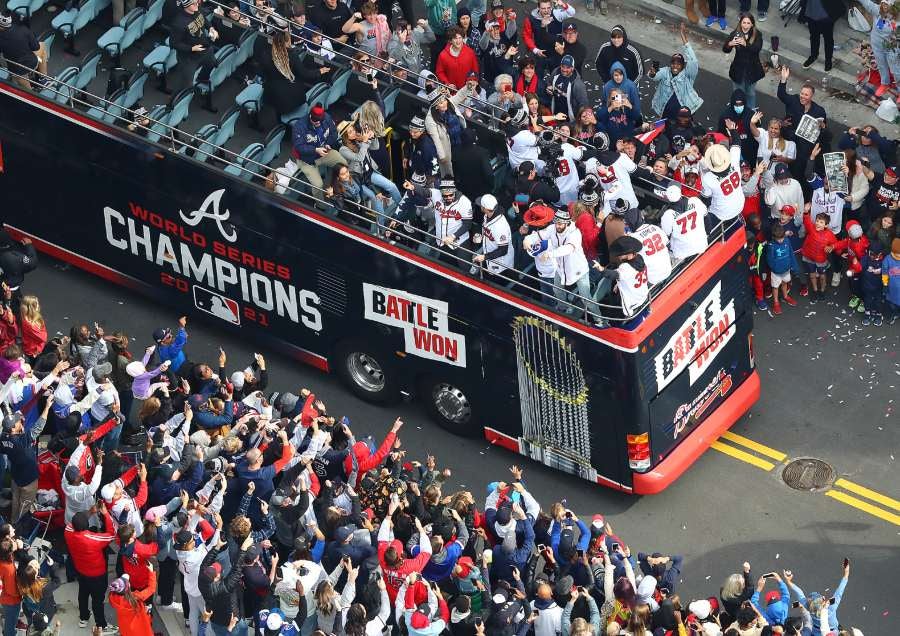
(118, 38)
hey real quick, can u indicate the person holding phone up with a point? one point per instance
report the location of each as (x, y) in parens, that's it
(777, 603)
(746, 69)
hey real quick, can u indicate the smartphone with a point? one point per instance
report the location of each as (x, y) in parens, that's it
(664, 591)
(536, 613)
(832, 600)
(478, 621)
(769, 575)
(580, 553)
(541, 547)
(615, 547)
(846, 562)
(568, 515)
(795, 604)
(655, 66)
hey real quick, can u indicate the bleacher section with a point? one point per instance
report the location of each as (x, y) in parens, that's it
(139, 44)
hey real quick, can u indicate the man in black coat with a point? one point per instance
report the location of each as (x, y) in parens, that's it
(16, 260)
(472, 167)
(193, 36)
(795, 107)
(218, 592)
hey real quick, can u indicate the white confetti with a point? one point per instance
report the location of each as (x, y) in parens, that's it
(778, 556)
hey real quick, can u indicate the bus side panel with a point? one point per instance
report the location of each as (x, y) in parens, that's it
(202, 241)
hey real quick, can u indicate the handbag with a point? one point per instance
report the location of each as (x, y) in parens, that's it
(859, 20)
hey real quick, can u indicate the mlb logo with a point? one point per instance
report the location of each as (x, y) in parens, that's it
(216, 304)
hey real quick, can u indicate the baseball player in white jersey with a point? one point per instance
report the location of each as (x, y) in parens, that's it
(452, 215)
(654, 252)
(615, 179)
(723, 181)
(495, 248)
(630, 275)
(683, 223)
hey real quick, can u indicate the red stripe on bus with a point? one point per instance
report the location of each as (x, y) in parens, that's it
(668, 302)
(501, 439)
(695, 444)
(62, 254)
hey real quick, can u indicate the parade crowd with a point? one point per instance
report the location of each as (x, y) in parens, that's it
(192, 487)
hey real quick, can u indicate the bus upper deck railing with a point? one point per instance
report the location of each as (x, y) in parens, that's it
(423, 240)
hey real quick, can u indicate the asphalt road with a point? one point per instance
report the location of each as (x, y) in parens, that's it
(828, 386)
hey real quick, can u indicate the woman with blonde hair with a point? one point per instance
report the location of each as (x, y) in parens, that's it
(282, 72)
(31, 586)
(330, 605)
(736, 589)
(34, 329)
(773, 147)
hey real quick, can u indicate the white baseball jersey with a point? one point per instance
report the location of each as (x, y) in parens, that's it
(448, 219)
(686, 230)
(633, 288)
(540, 239)
(566, 248)
(726, 191)
(616, 180)
(832, 204)
(496, 233)
(655, 253)
(522, 147)
(567, 177)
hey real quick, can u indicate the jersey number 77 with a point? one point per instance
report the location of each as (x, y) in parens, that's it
(690, 217)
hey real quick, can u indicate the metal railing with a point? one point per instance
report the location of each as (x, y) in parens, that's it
(581, 307)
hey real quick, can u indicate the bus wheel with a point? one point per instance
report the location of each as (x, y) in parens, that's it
(452, 409)
(368, 374)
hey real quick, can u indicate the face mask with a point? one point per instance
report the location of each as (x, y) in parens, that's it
(738, 110)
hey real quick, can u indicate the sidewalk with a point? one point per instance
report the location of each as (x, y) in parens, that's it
(655, 23)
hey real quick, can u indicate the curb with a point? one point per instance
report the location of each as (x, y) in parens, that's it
(838, 81)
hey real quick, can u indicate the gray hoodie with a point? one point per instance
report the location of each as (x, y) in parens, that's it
(410, 54)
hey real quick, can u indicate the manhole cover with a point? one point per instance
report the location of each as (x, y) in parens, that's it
(808, 474)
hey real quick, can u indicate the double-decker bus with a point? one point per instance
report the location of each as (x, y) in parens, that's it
(630, 409)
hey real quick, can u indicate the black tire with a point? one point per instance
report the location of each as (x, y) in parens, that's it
(367, 371)
(449, 404)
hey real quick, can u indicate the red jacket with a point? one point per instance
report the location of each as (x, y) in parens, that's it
(8, 329)
(365, 459)
(816, 241)
(135, 565)
(453, 69)
(853, 250)
(88, 548)
(394, 577)
(34, 338)
(590, 234)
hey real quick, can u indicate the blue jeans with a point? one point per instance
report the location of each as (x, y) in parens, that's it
(382, 182)
(749, 89)
(10, 618)
(111, 439)
(888, 61)
(582, 291)
(240, 629)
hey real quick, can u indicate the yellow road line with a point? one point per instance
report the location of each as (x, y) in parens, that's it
(743, 456)
(868, 494)
(778, 456)
(864, 506)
